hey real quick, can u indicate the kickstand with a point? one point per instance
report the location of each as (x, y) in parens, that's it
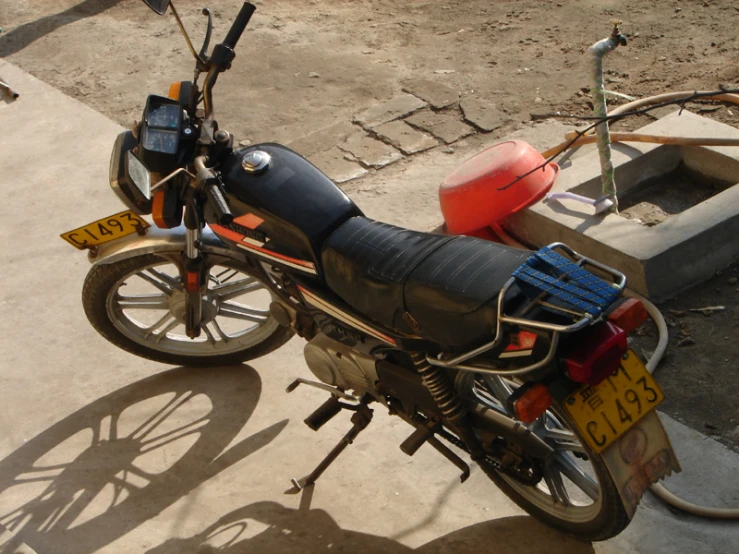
(360, 420)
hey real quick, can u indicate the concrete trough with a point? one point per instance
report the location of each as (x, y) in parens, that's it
(685, 247)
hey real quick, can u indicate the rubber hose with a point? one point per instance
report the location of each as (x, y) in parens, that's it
(658, 489)
(636, 104)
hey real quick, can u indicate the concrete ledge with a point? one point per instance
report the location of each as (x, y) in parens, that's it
(659, 261)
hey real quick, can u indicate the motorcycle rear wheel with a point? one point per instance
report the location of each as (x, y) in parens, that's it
(577, 494)
(138, 305)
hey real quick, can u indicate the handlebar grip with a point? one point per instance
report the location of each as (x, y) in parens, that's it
(239, 24)
(218, 203)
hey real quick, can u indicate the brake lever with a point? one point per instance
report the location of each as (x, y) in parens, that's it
(206, 42)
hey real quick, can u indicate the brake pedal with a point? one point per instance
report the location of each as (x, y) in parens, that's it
(417, 439)
(424, 433)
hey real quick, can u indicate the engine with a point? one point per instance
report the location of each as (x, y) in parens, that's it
(339, 365)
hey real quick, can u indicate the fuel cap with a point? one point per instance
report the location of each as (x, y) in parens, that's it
(255, 161)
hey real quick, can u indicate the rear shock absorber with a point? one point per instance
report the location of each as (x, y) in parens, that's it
(446, 398)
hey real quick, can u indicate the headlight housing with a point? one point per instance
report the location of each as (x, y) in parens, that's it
(120, 181)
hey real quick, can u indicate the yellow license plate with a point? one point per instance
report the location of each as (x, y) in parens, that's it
(104, 230)
(606, 411)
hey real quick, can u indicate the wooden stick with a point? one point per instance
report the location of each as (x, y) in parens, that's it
(638, 137)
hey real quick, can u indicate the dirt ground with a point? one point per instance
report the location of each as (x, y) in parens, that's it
(306, 64)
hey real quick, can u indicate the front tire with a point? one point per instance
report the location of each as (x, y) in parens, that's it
(138, 305)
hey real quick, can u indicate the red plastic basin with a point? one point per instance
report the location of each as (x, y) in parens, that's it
(476, 194)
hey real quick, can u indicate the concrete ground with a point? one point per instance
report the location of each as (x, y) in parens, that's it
(101, 451)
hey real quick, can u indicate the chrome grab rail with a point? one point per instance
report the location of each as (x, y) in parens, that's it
(584, 320)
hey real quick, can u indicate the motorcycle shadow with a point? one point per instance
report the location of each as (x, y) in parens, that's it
(119, 461)
(270, 528)
(26, 34)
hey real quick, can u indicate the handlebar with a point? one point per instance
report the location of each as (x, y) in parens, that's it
(207, 179)
(218, 203)
(239, 24)
(223, 54)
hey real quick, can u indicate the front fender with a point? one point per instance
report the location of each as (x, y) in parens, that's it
(154, 241)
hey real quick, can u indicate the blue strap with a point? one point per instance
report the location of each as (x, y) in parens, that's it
(582, 290)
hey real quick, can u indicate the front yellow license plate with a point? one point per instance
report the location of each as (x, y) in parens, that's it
(606, 411)
(104, 230)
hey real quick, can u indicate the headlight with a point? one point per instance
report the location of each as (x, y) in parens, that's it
(120, 182)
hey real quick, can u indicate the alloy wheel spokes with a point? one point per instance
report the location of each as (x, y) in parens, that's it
(566, 465)
(237, 311)
(149, 306)
(225, 292)
(143, 301)
(556, 485)
(160, 280)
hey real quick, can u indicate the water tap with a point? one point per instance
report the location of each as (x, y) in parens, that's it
(616, 35)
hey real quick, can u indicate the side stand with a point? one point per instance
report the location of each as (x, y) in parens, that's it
(360, 420)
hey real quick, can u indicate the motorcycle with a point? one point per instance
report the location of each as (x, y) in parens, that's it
(514, 359)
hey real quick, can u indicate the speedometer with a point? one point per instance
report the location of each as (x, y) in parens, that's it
(155, 140)
(165, 117)
(160, 134)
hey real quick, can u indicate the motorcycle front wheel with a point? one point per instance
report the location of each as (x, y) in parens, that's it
(138, 304)
(576, 493)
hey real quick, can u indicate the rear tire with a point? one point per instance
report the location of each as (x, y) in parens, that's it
(576, 494)
(609, 521)
(109, 313)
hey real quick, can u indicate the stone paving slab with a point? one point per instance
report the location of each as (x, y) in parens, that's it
(323, 139)
(395, 108)
(436, 94)
(482, 115)
(371, 152)
(444, 126)
(406, 138)
(335, 164)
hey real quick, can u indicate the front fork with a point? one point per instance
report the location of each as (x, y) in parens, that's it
(194, 272)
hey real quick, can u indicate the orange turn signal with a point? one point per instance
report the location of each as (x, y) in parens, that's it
(157, 209)
(174, 90)
(629, 315)
(532, 403)
(166, 208)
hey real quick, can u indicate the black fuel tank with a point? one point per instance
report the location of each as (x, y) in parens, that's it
(285, 212)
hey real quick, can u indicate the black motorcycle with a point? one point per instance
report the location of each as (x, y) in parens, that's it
(515, 359)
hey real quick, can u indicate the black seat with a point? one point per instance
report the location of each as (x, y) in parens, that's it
(448, 284)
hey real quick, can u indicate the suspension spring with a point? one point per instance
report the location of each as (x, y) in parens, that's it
(440, 387)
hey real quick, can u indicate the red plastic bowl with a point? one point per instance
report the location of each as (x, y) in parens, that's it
(471, 196)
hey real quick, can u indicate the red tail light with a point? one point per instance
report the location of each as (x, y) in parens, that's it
(629, 315)
(597, 354)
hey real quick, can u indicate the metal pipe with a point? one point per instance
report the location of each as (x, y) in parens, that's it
(598, 51)
(192, 239)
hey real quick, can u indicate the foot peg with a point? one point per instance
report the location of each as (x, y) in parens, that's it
(323, 414)
(360, 420)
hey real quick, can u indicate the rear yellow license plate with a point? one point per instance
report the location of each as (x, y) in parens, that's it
(606, 411)
(104, 230)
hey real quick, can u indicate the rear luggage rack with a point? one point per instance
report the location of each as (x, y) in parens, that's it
(558, 284)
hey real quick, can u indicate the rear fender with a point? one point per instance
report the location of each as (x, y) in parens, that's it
(157, 241)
